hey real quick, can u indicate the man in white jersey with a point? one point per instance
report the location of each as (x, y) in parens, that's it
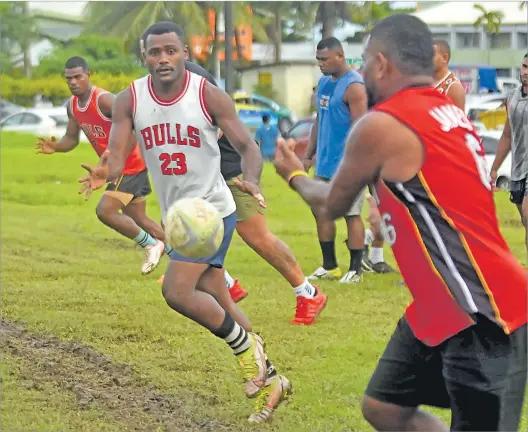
(176, 116)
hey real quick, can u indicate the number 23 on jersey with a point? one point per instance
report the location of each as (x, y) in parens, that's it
(173, 163)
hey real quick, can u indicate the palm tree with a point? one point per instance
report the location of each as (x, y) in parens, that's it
(329, 13)
(489, 21)
(19, 29)
(130, 19)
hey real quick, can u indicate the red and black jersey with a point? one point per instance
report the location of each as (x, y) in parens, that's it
(443, 226)
(96, 126)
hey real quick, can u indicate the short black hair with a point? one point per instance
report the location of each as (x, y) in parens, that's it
(75, 62)
(407, 42)
(444, 45)
(330, 43)
(163, 27)
(265, 118)
(526, 55)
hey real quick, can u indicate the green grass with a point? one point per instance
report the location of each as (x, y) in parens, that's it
(65, 274)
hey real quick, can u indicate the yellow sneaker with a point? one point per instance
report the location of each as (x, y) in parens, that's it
(277, 390)
(322, 273)
(253, 364)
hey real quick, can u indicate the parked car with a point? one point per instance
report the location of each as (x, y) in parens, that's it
(7, 108)
(286, 118)
(300, 132)
(490, 141)
(252, 116)
(38, 121)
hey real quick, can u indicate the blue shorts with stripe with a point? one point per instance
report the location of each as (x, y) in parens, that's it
(218, 258)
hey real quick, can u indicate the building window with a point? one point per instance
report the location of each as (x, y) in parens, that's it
(522, 40)
(499, 40)
(504, 73)
(468, 40)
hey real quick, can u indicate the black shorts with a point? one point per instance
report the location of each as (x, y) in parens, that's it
(135, 185)
(480, 374)
(518, 191)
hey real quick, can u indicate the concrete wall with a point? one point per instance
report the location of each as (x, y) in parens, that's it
(292, 84)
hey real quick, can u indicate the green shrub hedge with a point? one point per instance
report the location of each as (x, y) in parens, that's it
(22, 90)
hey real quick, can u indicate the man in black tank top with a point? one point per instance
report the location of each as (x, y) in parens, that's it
(251, 226)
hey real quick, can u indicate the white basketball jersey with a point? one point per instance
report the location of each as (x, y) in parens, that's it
(179, 144)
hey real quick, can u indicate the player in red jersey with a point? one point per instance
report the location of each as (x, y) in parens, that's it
(122, 206)
(462, 342)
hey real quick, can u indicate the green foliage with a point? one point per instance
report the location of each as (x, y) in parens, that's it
(490, 21)
(17, 30)
(129, 19)
(22, 90)
(104, 54)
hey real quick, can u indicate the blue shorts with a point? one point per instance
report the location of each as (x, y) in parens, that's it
(218, 258)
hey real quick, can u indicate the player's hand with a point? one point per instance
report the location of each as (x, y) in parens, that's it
(251, 189)
(96, 177)
(286, 161)
(493, 175)
(307, 163)
(45, 146)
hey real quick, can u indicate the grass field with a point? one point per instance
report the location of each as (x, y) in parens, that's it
(103, 352)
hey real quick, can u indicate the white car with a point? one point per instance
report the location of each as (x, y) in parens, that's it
(38, 121)
(490, 141)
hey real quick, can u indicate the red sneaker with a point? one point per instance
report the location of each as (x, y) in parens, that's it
(237, 292)
(308, 310)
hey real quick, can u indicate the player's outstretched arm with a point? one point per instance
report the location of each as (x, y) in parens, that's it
(120, 144)
(378, 145)
(222, 109)
(67, 143)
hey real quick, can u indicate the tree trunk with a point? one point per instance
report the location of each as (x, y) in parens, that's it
(328, 18)
(214, 60)
(25, 45)
(228, 13)
(278, 35)
(240, 56)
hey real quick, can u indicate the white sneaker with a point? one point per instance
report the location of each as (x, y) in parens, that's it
(351, 277)
(322, 273)
(153, 255)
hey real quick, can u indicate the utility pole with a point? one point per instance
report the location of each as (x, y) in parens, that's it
(228, 16)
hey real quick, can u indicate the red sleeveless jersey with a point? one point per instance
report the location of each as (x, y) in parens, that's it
(96, 126)
(443, 226)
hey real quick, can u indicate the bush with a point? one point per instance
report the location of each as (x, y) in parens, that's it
(22, 90)
(104, 55)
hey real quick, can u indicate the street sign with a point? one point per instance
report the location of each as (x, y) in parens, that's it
(357, 62)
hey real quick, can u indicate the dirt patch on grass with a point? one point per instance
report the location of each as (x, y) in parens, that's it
(96, 381)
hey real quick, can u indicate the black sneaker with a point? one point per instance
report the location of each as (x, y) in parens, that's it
(382, 267)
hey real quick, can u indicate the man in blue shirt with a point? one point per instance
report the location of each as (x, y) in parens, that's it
(266, 136)
(342, 100)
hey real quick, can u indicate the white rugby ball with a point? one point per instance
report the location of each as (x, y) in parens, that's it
(194, 228)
